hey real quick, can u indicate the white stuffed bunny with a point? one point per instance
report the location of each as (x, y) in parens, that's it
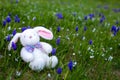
(34, 51)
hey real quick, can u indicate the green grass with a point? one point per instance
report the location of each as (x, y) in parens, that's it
(97, 68)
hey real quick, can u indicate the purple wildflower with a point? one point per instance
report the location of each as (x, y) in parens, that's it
(59, 70)
(76, 29)
(4, 23)
(59, 15)
(58, 29)
(14, 46)
(8, 19)
(8, 38)
(70, 65)
(14, 32)
(90, 42)
(17, 19)
(53, 51)
(58, 41)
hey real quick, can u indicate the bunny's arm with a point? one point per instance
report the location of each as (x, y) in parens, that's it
(26, 56)
(47, 47)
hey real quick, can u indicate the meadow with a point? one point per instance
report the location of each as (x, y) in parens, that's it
(86, 38)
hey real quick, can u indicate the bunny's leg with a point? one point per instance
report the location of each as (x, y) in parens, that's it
(26, 56)
(37, 64)
(52, 62)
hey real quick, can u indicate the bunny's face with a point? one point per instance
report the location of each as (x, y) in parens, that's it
(29, 37)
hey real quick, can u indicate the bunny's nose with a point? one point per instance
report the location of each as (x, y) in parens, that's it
(30, 37)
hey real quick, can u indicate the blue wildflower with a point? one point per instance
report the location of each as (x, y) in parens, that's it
(118, 29)
(9, 14)
(114, 33)
(85, 28)
(59, 15)
(8, 19)
(17, 1)
(91, 16)
(17, 19)
(58, 29)
(102, 18)
(74, 14)
(53, 51)
(116, 22)
(70, 65)
(113, 29)
(58, 41)
(90, 42)
(76, 29)
(14, 47)
(115, 10)
(106, 7)
(59, 70)
(8, 38)
(28, 27)
(85, 18)
(4, 23)
(14, 32)
(23, 29)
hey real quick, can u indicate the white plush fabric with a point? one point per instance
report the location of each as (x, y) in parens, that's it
(38, 59)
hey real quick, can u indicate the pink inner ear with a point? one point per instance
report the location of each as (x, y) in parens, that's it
(45, 33)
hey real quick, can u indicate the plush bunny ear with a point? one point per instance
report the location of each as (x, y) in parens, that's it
(14, 39)
(44, 33)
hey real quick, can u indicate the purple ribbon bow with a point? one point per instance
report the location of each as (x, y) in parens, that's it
(30, 48)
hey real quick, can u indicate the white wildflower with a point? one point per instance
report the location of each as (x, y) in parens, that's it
(89, 48)
(16, 59)
(111, 48)
(34, 18)
(67, 29)
(9, 54)
(103, 55)
(9, 28)
(23, 22)
(110, 58)
(74, 64)
(73, 54)
(18, 73)
(94, 29)
(49, 75)
(83, 38)
(91, 56)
